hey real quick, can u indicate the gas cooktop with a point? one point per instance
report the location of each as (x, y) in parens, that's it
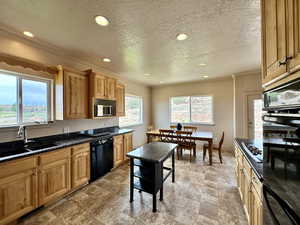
(254, 150)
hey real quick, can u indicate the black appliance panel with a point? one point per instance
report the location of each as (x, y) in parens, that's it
(101, 157)
(281, 170)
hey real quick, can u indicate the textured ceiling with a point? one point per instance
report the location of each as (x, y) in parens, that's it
(141, 38)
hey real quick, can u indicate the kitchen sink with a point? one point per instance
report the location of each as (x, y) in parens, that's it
(39, 146)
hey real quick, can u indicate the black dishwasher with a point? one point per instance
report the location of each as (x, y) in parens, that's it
(101, 157)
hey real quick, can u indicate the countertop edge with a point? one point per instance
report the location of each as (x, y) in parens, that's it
(77, 142)
(259, 175)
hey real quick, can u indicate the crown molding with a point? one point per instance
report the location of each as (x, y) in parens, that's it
(247, 73)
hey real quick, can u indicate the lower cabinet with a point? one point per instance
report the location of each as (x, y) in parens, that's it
(81, 168)
(250, 189)
(118, 150)
(54, 175)
(18, 189)
(127, 144)
(122, 145)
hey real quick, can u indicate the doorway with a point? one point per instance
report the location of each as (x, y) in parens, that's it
(254, 118)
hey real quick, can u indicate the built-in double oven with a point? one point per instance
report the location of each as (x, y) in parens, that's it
(281, 155)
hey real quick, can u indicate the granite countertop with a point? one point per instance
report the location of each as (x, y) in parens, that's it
(15, 149)
(153, 152)
(257, 167)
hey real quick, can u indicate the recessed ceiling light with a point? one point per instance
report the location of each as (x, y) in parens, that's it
(161, 82)
(205, 76)
(28, 34)
(181, 37)
(202, 64)
(101, 20)
(147, 74)
(106, 60)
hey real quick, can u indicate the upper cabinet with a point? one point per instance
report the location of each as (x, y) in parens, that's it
(293, 34)
(101, 86)
(120, 96)
(71, 94)
(273, 39)
(280, 41)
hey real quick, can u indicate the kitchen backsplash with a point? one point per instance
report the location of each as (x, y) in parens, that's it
(58, 127)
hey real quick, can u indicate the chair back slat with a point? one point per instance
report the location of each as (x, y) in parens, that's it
(190, 128)
(183, 137)
(166, 135)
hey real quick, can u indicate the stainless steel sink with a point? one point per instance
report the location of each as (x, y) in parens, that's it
(39, 146)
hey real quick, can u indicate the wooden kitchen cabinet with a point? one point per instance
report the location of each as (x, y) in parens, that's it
(71, 94)
(111, 84)
(293, 34)
(280, 41)
(127, 144)
(256, 208)
(54, 175)
(101, 86)
(18, 188)
(250, 188)
(118, 150)
(120, 97)
(80, 164)
(274, 50)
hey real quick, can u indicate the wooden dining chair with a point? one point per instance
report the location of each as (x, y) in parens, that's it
(167, 135)
(190, 128)
(215, 147)
(185, 143)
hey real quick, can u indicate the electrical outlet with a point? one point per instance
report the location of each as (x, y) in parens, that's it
(66, 130)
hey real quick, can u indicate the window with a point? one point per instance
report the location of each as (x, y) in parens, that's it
(23, 99)
(133, 111)
(192, 109)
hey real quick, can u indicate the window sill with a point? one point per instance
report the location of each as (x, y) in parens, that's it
(132, 125)
(188, 124)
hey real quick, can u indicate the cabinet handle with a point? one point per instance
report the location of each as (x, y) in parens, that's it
(285, 60)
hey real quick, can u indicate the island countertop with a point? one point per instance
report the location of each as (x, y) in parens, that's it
(153, 152)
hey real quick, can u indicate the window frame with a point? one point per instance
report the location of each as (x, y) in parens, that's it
(19, 95)
(141, 108)
(212, 123)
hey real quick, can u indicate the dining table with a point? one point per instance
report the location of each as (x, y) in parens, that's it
(205, 136)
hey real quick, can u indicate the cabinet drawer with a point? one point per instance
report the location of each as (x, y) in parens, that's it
(18, 165)
(257, 185)
(50, 157)
(80, 148)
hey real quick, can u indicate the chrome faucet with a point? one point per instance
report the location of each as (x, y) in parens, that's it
(22, 133)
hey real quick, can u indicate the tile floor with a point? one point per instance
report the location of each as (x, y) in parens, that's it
(202, 194)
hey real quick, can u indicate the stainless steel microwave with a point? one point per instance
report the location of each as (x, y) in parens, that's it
(103, 110)
(284, 97)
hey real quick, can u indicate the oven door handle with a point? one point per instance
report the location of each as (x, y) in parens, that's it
(294, 218)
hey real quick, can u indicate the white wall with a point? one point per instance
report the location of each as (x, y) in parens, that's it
(14, 45)
(222, 91)
(244, 84)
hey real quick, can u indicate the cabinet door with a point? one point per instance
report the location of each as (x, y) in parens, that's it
(118, 150)
(293, 32)
(80, 165)
(18, 195)
(54, 175)
(111, 88)
(247, 194)
(273, 39)
(75, 96)
(256, 209)
(100, 86)
(120, 97)
(127, 144)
